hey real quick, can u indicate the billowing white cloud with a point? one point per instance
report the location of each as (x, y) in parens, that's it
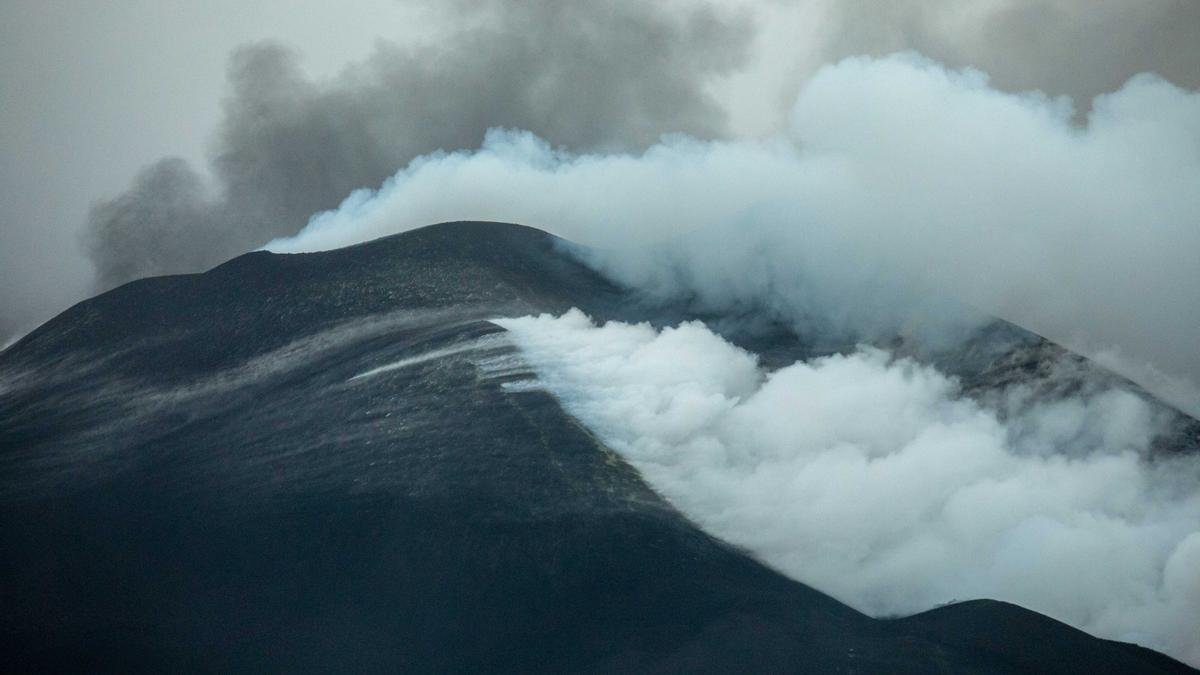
(870, 478)
(898, 184)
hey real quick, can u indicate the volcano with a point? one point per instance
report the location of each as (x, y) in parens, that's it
(311, 462)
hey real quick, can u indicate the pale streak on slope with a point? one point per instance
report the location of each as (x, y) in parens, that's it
(482, 343)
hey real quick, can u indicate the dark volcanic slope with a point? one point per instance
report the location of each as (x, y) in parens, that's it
(192, 478)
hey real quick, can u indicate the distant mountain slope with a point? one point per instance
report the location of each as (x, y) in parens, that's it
(308, 463)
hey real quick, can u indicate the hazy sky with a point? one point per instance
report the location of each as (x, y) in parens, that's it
(94, 92)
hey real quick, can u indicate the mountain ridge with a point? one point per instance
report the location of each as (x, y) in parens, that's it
(193, 478)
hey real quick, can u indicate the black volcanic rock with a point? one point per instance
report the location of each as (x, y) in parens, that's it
(192, 478)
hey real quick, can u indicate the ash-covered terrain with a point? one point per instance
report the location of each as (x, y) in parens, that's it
(328, 462)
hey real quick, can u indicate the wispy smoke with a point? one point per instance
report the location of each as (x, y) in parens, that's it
(871, 479)
(581, 75)
(1080, 48)
(595, 75)
(898, 183)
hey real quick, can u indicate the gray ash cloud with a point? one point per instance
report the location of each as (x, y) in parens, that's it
(608, 75)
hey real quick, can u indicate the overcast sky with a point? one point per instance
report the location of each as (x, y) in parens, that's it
(92, 91)
(95, 91)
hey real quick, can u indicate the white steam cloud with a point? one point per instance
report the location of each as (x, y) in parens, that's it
(871, 479)
(898, 179)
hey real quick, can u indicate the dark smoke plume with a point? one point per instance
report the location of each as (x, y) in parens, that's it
(1078, 48)
(596, 75)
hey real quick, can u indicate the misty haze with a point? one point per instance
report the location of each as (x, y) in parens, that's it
(704, 335)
